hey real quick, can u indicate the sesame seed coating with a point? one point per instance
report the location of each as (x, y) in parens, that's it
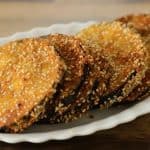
(99, 76)
(29, 72)
(97, 72)
(141, 23)
(70, 50)
(68, 110)
(57, 78)
(123, 49)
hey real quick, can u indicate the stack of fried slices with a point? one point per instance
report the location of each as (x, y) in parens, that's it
(57, 78)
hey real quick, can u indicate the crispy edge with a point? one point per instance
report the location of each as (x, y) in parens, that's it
(38, 111)
(141, 24)
(125, 90)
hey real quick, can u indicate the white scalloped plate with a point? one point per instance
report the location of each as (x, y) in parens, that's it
(102, 120)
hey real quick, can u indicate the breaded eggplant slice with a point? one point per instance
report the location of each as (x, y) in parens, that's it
(70, 50)
(96, 77)
(124, 50)
(74, 105)
(30, 69)
(141, 23)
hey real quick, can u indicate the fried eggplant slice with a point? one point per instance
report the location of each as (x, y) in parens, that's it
(96, 76)
(124, 50)
(71, 51)
(72, 106)
(30, 70)
(141, 23)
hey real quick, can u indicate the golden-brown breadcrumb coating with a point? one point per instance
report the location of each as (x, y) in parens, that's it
(96, 69)
(29, 72)
(141, 23)
(123, 49)
(70, 50)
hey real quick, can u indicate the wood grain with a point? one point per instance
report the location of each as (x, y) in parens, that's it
(20, 15)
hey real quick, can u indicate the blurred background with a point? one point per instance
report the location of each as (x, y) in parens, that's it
(20, 15)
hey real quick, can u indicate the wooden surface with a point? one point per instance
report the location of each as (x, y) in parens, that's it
(17, 15)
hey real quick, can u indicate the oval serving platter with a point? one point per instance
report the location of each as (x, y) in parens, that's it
(101, 120)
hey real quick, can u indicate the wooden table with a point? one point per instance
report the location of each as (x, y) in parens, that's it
(23, 15)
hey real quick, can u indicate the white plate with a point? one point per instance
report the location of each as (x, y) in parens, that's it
(102, 120)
